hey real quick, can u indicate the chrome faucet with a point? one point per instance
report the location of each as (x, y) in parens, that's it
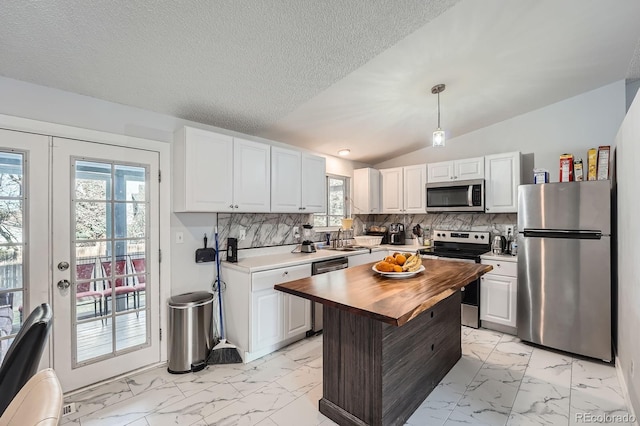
(337, 243)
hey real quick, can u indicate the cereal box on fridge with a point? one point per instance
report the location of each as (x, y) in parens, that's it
(566, 168)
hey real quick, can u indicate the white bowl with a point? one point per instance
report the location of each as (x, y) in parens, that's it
(368, 240)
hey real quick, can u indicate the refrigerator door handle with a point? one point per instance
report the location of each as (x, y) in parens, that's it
(558, 233)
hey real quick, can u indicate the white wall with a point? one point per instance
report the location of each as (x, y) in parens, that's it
(627, 178)
(570, 126)
(26, 100)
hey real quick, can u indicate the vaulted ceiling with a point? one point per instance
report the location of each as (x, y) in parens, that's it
(325, 75)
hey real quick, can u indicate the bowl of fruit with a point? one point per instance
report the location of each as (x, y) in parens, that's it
(399, 265)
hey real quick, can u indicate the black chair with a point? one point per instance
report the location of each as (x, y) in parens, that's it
(22, 359)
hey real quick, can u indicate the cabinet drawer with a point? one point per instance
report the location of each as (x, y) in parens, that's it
(267, 279)
(507, 268)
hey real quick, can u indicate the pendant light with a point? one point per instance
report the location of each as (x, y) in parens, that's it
(438, 135)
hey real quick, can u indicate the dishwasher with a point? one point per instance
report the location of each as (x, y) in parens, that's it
(317, 268)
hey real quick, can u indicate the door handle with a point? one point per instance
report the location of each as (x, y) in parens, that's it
(63, 284)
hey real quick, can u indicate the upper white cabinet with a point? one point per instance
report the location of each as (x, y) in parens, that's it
(502, 177)
(314, 183)
(366, 191)
(470, 168)
(403, 189)
(251, 176)
(202, 171)
(218, 173)
(297, 182)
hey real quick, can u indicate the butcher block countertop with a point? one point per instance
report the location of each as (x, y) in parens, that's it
(395, 301)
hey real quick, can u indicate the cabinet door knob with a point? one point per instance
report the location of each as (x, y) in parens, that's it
(285, 273)
(304, 208)
(451, 178)
(231, 206)
(236, 206)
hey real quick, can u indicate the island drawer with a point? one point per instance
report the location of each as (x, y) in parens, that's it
(502, 267)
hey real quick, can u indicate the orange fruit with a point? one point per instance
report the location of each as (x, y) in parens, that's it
(397, 268)
(400, 259)
(390, 259)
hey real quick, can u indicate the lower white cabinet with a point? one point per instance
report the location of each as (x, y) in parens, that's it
(499, 294)
(259, 319)
(361, 259)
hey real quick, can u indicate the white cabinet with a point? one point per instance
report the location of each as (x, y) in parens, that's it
(366, 191)
(251, 176)
(499, 294)
(314, 184)
(297, 182)
(502, 177)
(361, 259)
(202, 171)
(218, 173)
(466, 169)
(267, 310)
(403, 189)
(297, 316)
(276, 317)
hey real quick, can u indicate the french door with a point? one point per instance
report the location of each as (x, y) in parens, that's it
(105, 260)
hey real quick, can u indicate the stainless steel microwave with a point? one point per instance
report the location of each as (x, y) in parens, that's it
(456, 196)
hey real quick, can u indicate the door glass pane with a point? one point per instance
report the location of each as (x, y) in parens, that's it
(94, 339)
(131, 330)
(93, 220)
(12, 246)
(11, 174)
(130, 183)
(130, 220)
(93, 181)
(110, 280)
(10, 221)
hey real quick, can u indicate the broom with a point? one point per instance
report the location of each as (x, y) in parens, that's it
(224, 352)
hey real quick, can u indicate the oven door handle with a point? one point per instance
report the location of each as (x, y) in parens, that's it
(470, 196)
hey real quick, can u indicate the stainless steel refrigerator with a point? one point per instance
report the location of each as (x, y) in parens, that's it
(564, 266)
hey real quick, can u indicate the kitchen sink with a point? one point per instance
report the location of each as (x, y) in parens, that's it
(347, 248)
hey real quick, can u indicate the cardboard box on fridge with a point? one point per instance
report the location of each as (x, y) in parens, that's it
(592, 164)
(566, 168)
(604, 152)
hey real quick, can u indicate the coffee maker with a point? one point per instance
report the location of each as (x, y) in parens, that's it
(396, 234)
(307, 246)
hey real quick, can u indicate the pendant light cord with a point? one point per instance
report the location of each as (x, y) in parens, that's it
(438, 110)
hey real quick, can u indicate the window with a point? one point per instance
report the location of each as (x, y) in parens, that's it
(337, 196)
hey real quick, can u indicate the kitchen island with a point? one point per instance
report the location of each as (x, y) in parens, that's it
(386, 342)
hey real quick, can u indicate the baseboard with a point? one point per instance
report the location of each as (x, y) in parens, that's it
(499, 327)
(625, 389)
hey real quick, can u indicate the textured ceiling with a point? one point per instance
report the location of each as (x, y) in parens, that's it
(325, 74)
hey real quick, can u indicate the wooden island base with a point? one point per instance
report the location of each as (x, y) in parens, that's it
(375, 373)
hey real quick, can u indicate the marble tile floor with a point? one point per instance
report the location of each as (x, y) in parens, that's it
(498, 381)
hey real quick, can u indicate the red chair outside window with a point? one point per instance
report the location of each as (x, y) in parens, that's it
(139, 267)
(84, 293)
(121, 287)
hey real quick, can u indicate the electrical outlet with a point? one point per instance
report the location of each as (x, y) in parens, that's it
(179, 237)
(242, 233)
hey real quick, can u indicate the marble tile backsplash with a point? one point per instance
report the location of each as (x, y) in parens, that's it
(274, 229)
(261, 229)
(496, 223)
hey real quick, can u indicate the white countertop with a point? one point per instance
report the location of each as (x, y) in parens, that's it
(285, 259)
(499, 257)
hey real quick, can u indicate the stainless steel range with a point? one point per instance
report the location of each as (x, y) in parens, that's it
(462, 246)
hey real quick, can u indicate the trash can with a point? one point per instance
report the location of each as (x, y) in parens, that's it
(190, 331)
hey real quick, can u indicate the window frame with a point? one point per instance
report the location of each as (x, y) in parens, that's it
(347, 198)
